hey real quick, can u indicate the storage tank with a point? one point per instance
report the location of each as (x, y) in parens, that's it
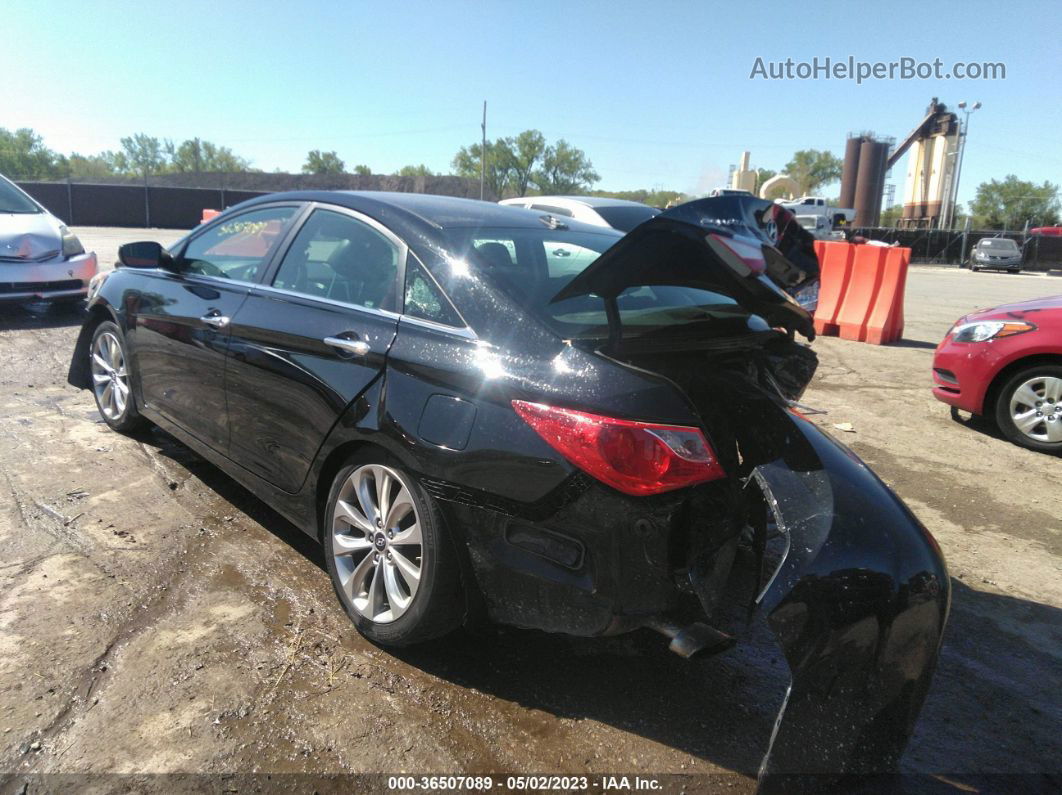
(870, 182)
(850, 170)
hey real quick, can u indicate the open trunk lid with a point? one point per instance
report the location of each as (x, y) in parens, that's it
(750, 249)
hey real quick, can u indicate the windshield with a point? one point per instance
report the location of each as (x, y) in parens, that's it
(999, 244)
(624, 217)
(13, 200)
(533, 265)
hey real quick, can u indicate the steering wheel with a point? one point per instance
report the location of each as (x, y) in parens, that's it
(206, 268)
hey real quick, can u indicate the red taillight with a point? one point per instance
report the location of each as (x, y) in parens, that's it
(636, 458)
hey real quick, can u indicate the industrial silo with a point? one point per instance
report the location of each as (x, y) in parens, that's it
(851, 169)
(870, 181)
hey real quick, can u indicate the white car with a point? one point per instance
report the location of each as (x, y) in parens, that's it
(40, 259)
(617, 213)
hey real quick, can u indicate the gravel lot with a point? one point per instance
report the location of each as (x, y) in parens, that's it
(156, 618)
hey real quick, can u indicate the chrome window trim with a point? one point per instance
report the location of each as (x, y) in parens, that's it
(281, 291)
(465, 332)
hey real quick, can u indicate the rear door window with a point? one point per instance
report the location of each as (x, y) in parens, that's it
(341, 258)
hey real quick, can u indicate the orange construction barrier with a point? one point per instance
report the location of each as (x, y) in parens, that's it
(835, 269)
(209, 214)
(861, 291)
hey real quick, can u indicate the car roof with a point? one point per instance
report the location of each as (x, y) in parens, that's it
(441, 212)
(589, 201)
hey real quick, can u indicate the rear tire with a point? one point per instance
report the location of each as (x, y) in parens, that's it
(1029, 408)
(112, 386)
(393, 567)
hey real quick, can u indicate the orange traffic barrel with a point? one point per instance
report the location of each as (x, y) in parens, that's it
(209, 214)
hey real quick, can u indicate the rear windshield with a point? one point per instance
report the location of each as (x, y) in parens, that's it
(998, 244)
(533, 265)
(626, 218)
(12, 200)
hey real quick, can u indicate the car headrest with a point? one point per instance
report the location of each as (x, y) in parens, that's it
(496, 255)
(366, 257)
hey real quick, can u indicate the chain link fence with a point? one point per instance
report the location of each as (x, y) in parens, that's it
(942, 246)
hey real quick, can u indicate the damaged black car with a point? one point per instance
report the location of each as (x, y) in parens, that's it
(478, 408)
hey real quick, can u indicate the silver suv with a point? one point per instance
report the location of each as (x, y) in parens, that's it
(996, 253)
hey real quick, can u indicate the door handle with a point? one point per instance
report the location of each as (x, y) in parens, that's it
(353, 347)
(216, 319)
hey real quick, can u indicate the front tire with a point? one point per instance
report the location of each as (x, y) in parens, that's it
(111, 384)
(1029, 408)
(395, 571)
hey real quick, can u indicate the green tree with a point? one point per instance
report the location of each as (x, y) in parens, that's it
(105, 164)
(813, 168)
(415, 171)
(318, 162)
(23, 155)
(498, 162)
(197, 156)
(1011, 202)
(144, 154)
(525, 151)
(565, 169)
(363, 171)
(891, 215)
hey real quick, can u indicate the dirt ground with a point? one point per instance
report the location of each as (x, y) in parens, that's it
(156, 618)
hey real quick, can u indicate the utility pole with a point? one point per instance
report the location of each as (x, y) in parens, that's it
(962, 152)
(483, 153)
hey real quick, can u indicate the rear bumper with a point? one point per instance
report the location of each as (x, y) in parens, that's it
(859, 607)
(54, 279)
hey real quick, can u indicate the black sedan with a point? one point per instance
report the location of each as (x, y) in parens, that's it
(479, 408)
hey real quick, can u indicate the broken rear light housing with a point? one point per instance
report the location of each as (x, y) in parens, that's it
(743, 256)
(637, 458)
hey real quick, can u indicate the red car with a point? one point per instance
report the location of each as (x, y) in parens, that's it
(1006, 363)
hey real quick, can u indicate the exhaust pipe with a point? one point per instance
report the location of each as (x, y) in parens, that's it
(695, 638)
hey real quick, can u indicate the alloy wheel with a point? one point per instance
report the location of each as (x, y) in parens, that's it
(109, 379)
(376, 543)
(1036, 408)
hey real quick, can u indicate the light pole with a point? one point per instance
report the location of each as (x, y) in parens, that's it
(962, 151)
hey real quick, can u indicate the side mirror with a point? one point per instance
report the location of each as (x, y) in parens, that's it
(144, 254)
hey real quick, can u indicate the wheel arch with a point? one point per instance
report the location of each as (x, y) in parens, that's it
(329, 467)
(988, 405)
(78, 375)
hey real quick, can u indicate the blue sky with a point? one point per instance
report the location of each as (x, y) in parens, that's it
(657, 93)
